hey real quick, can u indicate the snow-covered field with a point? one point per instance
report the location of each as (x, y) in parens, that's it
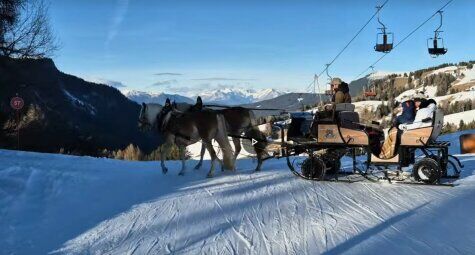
(82, 205)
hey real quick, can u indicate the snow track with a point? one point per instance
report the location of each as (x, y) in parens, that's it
(80, 205)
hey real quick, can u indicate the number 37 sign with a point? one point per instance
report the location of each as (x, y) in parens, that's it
(17, 103)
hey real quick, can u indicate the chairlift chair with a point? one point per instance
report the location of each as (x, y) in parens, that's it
(370, 91)
(438, 47)
(384, 39)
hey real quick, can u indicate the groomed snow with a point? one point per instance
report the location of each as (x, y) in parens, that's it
(81, 205)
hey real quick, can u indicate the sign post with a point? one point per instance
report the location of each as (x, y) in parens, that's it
(17, 104)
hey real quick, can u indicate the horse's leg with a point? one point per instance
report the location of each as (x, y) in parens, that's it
(202, 153)
(260, 159)
(182, 151)
(165, 151)
(237, 149)
(260, 150)
(212, 153)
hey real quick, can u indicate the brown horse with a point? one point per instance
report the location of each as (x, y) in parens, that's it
(241, 123)
(187, 127)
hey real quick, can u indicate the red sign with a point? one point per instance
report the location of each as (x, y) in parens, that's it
(17, 103)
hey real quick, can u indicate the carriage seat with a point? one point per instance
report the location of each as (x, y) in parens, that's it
(349, 119)
(345, 107)
(300, 124)
(426, 133)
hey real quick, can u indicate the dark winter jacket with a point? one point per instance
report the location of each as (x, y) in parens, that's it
(408, 113)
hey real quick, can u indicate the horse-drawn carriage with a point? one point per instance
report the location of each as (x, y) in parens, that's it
(314, 146)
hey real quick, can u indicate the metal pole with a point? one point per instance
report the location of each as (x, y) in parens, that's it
(18, 129)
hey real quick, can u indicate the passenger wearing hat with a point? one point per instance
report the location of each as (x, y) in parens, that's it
(340, 94)
(341, 91)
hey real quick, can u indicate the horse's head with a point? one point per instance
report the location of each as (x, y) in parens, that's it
(148, 116)
(161, 117)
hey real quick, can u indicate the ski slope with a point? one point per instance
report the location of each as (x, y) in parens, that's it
(57, 204)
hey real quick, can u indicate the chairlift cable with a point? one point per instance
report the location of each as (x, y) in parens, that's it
(349, 42)
(407, 36)
(354, 37)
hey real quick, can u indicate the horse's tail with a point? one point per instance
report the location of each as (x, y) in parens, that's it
(223, 141)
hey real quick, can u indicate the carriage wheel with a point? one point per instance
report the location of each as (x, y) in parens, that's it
(427, 170)
(310, 167)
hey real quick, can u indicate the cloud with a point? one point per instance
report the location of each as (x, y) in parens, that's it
(119, 14)
(222, 79)
(115, 84)
(164, 83)
(168, 74)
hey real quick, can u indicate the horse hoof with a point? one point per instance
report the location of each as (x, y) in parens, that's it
(257, 170)
(197, 167)
(209, 176)
(181, 173)
(164, 171)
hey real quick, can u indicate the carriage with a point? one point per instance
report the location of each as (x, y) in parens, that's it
(314, 146)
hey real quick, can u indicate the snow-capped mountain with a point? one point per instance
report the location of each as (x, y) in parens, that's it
(145, 97)
(225, 96)
(238, 96)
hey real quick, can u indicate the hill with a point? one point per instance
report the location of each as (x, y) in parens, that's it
(80, 205)
(65, 113)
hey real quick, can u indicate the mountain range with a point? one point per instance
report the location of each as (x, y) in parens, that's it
(224, 96)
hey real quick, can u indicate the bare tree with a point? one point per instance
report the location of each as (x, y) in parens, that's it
(25, 31)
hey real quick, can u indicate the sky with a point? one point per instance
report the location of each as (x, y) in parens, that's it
(189, 46)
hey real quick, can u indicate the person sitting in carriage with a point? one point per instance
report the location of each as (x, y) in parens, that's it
(340, 94)
(425, 109)
(340, 91)
(408, 111)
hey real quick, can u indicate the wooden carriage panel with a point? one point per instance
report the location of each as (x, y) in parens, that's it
(354, 137)
(328, 133)
(375, 159)
(416, 137)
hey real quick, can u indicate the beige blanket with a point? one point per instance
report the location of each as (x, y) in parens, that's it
(389, 146)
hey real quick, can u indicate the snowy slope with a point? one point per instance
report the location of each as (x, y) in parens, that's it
(82, 205)
(467, 117)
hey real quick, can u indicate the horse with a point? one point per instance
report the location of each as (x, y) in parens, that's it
(241, 123)
(184, 128)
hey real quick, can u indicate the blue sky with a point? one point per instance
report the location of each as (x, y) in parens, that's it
(183, 46)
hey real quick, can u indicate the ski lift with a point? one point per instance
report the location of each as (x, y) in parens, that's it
(370, 91)
(384, 40)
(438, 47)
(328, 92)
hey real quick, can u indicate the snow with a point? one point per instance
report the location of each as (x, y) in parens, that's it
(466, 116)
(377, 75)
(448, 69)
(469, 76)
(370, 105)
(236, 96)
(81, 205)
